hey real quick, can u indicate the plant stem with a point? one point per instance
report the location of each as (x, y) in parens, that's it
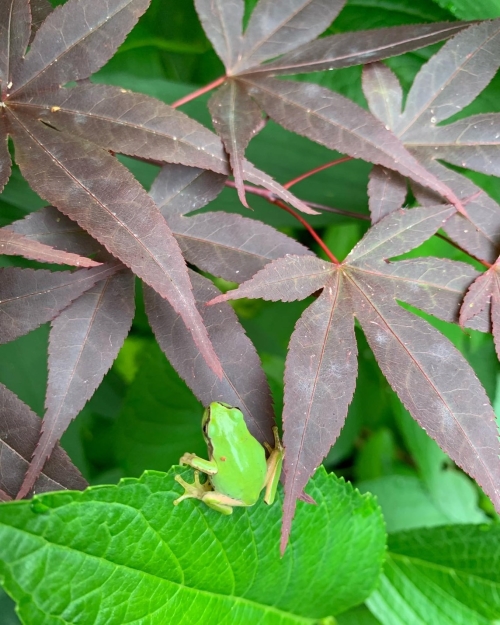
(198, 92)
(339, 211)
(270, 197)
(290, 183)
(309, 228)
(274, 200)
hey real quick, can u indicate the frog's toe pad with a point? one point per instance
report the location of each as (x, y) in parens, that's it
(187, 458)
(195, 491)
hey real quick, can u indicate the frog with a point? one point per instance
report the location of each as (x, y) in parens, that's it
(237, 470)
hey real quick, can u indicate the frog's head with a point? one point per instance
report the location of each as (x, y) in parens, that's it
(217, 417)
(210, 410)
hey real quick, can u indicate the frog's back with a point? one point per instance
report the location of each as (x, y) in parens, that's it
(239, 454)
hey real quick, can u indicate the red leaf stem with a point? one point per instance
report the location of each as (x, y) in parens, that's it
(338, 161)
(196, 94)
(270, 197)
(309, 228)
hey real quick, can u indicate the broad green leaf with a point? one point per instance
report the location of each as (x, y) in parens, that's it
(450, 490)
(357, 616)
(160, 418)
(7, 606)
(23, 367)
(408, 502)
(447, 575)
(126, 553)
(376, 458)
(472, 9)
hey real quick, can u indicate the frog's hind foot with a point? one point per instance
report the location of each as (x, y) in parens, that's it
(194, 491)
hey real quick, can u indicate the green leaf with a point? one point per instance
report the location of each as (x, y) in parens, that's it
(407, 503)
(160, 418)
(376, 458)
(126, 554)
(23, 367)
(452, 492)
(7, 610)
(357, 616)
(447, 575)
(472, 9)
(437, 493)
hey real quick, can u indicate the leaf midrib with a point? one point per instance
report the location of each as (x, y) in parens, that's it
(277, 67)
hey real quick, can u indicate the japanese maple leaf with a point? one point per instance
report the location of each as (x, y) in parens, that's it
(90, 324)
(19, 432)
(79, 177)
(431, 377)
(74, 41)
(288, 28)
(483, 296)
(12, 243)
(444, 86)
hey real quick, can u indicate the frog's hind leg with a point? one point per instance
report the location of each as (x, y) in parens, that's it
(274, 465)
(195, 491)
(221, 503)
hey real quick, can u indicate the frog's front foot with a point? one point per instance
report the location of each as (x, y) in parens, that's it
(187, 458)
(196, 490)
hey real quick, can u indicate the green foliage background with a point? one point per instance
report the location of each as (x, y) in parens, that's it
(144, 417)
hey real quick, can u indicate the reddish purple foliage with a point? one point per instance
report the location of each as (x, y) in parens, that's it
(65, 140)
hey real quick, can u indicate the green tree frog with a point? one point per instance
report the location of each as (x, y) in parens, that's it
(237, 468)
